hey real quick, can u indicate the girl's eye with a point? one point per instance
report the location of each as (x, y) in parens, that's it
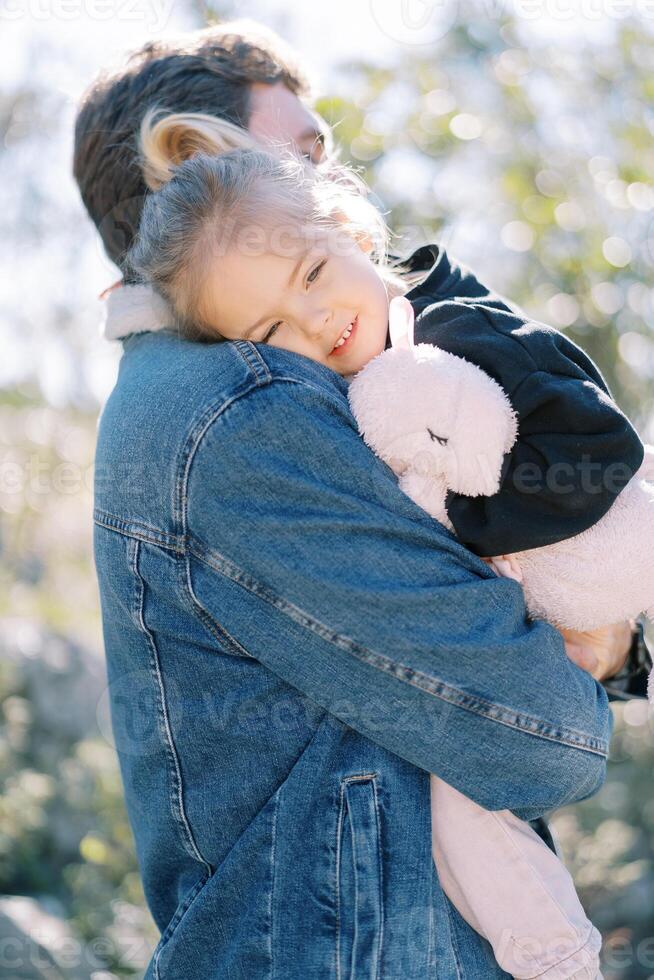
(271, 332)
(315, 269)
(310, 278)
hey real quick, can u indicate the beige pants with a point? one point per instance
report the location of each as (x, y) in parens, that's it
(510, 887)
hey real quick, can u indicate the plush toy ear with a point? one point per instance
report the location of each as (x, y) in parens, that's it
(400, 318)
(485, 428)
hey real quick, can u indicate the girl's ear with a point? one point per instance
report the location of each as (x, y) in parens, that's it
(400, 318)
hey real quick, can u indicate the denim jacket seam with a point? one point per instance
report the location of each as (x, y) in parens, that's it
(453, 939)
(176, 799)
(273, 883)
(432, 965)
(337, 878)
(208, 418)
(190, 446)
(380, 940)
(180, 912)
(217, 631)
(253, 359)
(359, 777)
(139, 530)
(364, 777)
(520, 721)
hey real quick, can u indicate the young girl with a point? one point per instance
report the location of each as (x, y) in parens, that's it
(243, 244)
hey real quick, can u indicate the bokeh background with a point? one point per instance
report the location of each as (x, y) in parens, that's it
(518, 134)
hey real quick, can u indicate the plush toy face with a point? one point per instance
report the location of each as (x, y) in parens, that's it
(414, 429)
(423, 409)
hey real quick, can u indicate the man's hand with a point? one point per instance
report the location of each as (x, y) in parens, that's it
(602, 652)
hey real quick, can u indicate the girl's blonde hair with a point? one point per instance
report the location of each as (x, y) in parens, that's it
(166, 142)
(212, 184)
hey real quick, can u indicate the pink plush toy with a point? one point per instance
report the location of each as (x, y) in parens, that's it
(441, 423)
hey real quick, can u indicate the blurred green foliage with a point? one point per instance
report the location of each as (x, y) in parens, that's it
(64, 835)
(531, 161)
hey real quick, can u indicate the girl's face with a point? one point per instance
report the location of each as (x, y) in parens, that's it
(305, 298)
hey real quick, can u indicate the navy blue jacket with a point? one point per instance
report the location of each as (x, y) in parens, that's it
(575, 449)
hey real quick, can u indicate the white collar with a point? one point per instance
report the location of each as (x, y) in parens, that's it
(134, 309)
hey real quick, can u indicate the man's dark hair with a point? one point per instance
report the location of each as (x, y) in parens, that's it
(207, 71)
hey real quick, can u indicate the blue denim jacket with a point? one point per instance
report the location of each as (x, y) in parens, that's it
(292, 646)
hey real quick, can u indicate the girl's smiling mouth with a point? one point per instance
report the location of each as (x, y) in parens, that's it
(345, 339)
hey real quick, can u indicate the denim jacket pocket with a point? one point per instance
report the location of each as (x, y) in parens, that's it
(359, 897)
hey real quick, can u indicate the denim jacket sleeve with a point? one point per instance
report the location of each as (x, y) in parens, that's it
(307, 556)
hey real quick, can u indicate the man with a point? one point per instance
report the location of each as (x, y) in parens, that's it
(292, 645)
(240, 72)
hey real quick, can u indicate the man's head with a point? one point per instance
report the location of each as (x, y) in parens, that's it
(239, 72)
